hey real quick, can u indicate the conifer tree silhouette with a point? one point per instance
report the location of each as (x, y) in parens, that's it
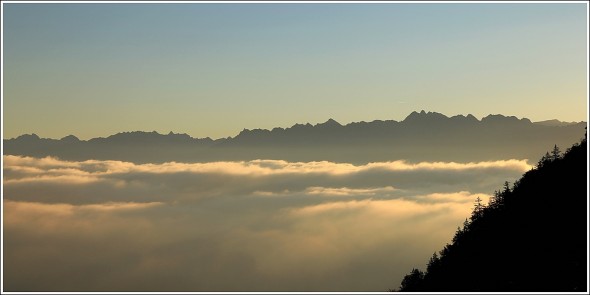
(519, 241)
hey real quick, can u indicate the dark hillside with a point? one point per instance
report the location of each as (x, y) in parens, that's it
(531, 237)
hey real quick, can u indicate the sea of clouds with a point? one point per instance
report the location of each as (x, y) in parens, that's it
(263, 225)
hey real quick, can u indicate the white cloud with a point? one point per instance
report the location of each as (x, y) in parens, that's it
(344, 191)
(255, 167)
(55, 181)
(262, 225)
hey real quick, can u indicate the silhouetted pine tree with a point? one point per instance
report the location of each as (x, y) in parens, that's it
(411, 281)
(531, 237)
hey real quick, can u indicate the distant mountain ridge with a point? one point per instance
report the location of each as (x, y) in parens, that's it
(555, 122)
(421, 118)
(413, 138)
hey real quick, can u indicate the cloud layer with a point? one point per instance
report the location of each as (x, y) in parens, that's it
(263, 225)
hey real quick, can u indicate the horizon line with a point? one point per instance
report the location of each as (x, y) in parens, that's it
(421, 112)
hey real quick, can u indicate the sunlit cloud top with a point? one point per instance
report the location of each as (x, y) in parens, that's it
(88, 182)
(271, 225)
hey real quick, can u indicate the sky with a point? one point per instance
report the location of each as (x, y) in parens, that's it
(211, 70)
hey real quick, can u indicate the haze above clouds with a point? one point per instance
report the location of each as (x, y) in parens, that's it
(232, 226)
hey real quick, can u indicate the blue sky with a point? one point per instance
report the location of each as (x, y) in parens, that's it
(213, 69)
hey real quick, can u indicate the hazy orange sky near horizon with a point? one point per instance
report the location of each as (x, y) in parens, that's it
(211, 70)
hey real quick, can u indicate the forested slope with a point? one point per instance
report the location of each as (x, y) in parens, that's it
(532, 236)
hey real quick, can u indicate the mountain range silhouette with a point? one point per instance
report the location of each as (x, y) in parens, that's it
(421, 136)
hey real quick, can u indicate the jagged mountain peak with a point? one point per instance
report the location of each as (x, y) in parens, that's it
(329, 122)
(499, 118)
(298, 125)
(415, 116)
